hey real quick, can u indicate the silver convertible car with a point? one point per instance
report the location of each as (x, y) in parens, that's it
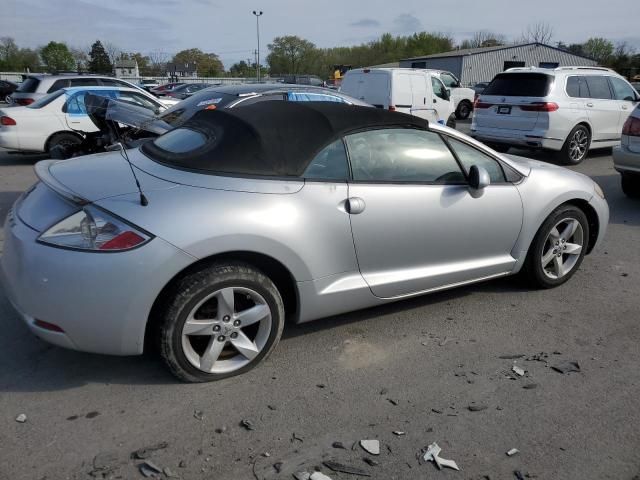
(277, 212)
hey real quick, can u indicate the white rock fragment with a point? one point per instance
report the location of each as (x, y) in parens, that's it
(512, 452)
(371, 446)
(21, 418)
(517, 370)
(319, 476)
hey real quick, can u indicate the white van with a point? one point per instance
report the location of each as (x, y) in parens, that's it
(407, 90)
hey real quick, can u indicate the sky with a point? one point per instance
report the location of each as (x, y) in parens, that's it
(228, 28)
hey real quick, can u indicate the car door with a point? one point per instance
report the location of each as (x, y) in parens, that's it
(421, 95)
(626, 98)
(441, 100)
(75, 111)
(416, 224)
(602, 109)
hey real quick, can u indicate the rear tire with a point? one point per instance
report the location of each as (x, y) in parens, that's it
(630, 184)
(220, 322)
(63, 141)
(499, 147)
(451, 121)
(464, 110)
(576, 146)
(558, 248)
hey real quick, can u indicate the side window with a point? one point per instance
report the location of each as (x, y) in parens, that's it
(469, 156)
(313, 97)
(137, 99)
(622, 90)
(402, 155)
(75, 104)
(598, 86)
(59, 84)
(438, 88)
(329, 164)
(577, 87)
(110, 83)
(258, 99)
(83, 82)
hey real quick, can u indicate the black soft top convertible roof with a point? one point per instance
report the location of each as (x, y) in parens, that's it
(274, 138)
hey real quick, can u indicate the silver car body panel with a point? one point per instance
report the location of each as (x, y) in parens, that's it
(409, 240)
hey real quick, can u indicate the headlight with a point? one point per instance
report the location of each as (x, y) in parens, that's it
(95, 230)
(598, 190)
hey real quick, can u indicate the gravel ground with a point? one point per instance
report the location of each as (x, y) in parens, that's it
(415, 366)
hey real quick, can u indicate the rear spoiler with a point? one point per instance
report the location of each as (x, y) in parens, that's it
(44, 175)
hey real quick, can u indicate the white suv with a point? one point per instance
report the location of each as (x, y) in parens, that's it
(566, 109)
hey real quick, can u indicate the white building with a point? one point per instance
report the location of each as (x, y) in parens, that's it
(126, 69)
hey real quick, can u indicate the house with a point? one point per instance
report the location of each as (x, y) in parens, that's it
(126, 69)
(474, 65)
(182, 70)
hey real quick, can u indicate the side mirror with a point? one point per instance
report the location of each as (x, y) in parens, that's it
(478, 177)
(448, 92)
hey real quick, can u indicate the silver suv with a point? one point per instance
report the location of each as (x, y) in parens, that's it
(35, 86)
(566, 109)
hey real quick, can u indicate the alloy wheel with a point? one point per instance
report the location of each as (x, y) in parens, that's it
(226, 330)
(578, 145)
(562, 248)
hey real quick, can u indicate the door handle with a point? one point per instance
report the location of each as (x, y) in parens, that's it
(589, 104)
(355, 205)
(624, 107)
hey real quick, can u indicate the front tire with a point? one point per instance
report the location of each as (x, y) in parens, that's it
(576, 146)
(464, 110)
(220, 322)
(558, 248)
(630, 184)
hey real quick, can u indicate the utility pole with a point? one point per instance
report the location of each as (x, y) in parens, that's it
(258, 14)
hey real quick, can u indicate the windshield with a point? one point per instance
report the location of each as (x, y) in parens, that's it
(206, 99)
(46, 100)
(29, 85)
(519, 85)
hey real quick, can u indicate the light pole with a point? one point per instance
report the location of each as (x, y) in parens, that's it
(258, 14)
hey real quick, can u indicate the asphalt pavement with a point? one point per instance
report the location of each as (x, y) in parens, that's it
(416, 366)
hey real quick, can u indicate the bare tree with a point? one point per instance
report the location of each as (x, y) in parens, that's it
(539, 32)
(113, 51)
(485, 38)
(81, 57)
(158, 60)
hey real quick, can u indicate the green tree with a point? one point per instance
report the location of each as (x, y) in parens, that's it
(291, 54)
(57, 57)
(99, 61)
(600, 49)
(207, 64)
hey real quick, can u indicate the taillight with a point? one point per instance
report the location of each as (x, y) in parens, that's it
(124, 241)
(392, 108)
(48, 326)
(479, 104)
(24, 101)
(540, 107)
(631, 127)
(7, 121)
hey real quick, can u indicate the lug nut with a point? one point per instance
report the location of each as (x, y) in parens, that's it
(226, 318)
(216, 328)
(234, 334)
(221, 338)
(236, 323)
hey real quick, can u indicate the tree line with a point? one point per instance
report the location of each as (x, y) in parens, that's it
(291, 54)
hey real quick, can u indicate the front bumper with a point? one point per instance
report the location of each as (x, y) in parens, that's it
(517, 138)
(624, 160)
(101, 300)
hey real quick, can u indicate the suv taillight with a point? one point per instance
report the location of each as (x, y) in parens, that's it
(631, 127)
(7, 121)
(23, 101)
(540, 107)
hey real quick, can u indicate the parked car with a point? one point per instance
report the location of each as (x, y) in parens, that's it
(479, 87)
(6, 89)
(60, 118)
(461, 97)
(167, 87)
(567, 109)
(626, 156)
(245, 217)
(186, 90)
(35, 87)
(148, 84)
(407, 90)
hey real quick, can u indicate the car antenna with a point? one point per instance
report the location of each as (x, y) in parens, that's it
(120, 147)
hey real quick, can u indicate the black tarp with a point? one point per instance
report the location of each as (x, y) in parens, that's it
(273, 138)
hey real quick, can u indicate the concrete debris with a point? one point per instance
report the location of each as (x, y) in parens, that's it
(371, 446)
(248, 424)
(566, 367)
(266, 454)
(149, 469)
(146, 452)
(319, 476)
(169, 473)
(530, 386)
(512, 452)
(511, 357)
(295, 437)
(371, 461)
(433, 455)
(339, 467)
(277, 466)
(477, 408)
(399, 433)
(338, 445)
(517, 370)
(104, 465)
(21, 418)
(198, 414)
(302, 475)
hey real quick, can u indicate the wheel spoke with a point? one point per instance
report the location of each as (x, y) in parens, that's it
(226, 302)
(198, 327)
(547, 257)
(569, 230)
(211, 354)
(253, 314)
(554, 234)
(573, 248)
(558, 266)
(245, 346)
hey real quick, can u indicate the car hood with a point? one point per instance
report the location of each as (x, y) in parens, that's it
(529, 164)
